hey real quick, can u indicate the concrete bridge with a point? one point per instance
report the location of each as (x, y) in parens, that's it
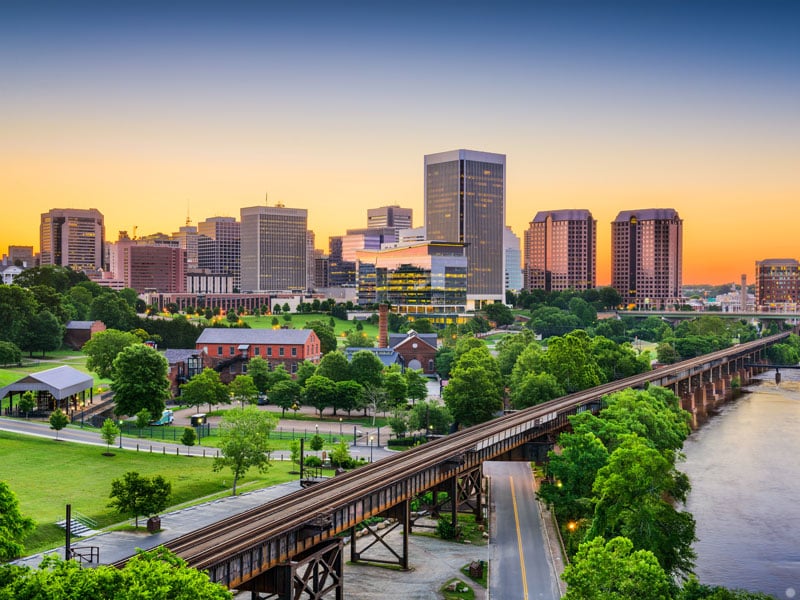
(292, 548)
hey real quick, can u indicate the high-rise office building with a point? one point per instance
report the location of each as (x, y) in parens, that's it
(386, 217)
(777, 284)
(219, 247)
(561, 251)
(647, 257)
(513, 260)
(148, 265)
(465, 203)
(274, 248)
(186, 237)
(310, 254)
(341, 273)
(72, 237)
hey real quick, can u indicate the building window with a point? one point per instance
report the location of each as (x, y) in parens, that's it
(231, 350)
(269, 350)
(232, 369)
(219, 350)
(294, 367)
(244, 367)
(258, 350)
(280, 351)
(294, 351)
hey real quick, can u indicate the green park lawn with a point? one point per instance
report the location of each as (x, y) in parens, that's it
(46, 474)
(299, 322)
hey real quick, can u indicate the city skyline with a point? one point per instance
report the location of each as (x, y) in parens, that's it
(149, 114)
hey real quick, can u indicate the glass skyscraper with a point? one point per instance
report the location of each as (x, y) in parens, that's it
(465, 203)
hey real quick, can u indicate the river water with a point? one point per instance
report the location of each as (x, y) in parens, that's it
(744, 465)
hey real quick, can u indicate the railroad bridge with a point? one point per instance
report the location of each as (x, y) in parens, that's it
(292, 547)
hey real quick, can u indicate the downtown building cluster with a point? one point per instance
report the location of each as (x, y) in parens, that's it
(463, 257)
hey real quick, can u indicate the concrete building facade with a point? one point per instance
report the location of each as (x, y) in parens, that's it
(777, 284)
(274, 248)
(71, 237)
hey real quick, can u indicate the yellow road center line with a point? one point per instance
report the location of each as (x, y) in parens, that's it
(519, 540)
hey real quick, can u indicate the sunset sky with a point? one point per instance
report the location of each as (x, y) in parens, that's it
(145, 111)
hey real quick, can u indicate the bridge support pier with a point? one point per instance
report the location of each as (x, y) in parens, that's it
(313, 575)
(402, 515)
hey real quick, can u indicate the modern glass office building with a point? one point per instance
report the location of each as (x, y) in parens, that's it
(72, 237)
(465, 203)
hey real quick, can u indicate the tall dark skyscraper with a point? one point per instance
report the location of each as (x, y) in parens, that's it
(219, 247)
(72, 237)
(647, 257)
(465, 203)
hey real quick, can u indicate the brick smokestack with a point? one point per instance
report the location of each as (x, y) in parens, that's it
(383, 326)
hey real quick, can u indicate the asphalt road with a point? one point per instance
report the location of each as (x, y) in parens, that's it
(522, 565)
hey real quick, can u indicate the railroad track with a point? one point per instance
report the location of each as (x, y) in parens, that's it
(211, 544)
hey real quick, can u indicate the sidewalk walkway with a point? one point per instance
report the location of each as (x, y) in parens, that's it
(116, 545)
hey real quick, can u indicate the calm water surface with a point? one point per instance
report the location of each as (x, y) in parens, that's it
(744, 465)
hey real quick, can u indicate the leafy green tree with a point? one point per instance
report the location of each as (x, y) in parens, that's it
(51, 300)
(55, 276)
(58, 420)
(634, 494)
(536, 388)
(548, 321)
(17, 308)
(189, 437)
(317, 442)
(358, 339)
(667, 354)
(286, 394)
(319, 392)
(348, 395)
(243, 390)
(429, 417)
(474, 393)
(693, 590)
(258, 369)
(366, 368)
(294, 452)
(509, 348)
(10, 354)
(585, 312)
(45, 332)
(334, 366)
(340, 455)
(305, 370)
(396, 388)
(113, 311)
(416, 385)
(609, 297)
(398, 423)
(14, 526)
(570, 360)
(139, 380)
(571, 474)
(423, 326)
(135, 495)
(445, 358)
(617, 360)
(244, 441)
(326, 335)
(109, 432)
(204, 388)
(614, 571)
(26, 403)
(143, 417)
(103, 347)
(500, 314)
(231, 316)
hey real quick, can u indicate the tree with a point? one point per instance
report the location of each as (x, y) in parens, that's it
(17, 308)
(509, 348)
(396, 388)
(500, 314)
(316, 443)
(398, 423)
(204, 388)
(27, 403)
(143, 417)
(286, 394)
(609, 297)
(103, 348)
(58, 420)
(429, 417)
(243, 390)
(616, 361)
(45, 332)
(139, 380)
(535, 388)
(258, 369)
(416, 385)
(570, 360)
(244, 441)
(340, 455)
(10, 354)
(109, 432)
(320, 392)
(614, 571)
(444, 360)
(151, 570)
(113, 311)
(334, 366)
(189, 437)
(305, 370)
(366, 368)
(474, 393)
(13, 525)
(278, 374)
(136, 495)
(348, 395)
(327, 338)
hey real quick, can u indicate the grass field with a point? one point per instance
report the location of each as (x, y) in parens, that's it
(299, 322)
(46, 475)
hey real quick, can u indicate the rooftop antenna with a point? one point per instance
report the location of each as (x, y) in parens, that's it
(188, 218)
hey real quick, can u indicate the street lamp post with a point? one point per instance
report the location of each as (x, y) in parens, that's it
(340, 427)
(370, 448)
(120, 434)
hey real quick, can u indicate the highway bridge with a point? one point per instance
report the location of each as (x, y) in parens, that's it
(292, 547)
